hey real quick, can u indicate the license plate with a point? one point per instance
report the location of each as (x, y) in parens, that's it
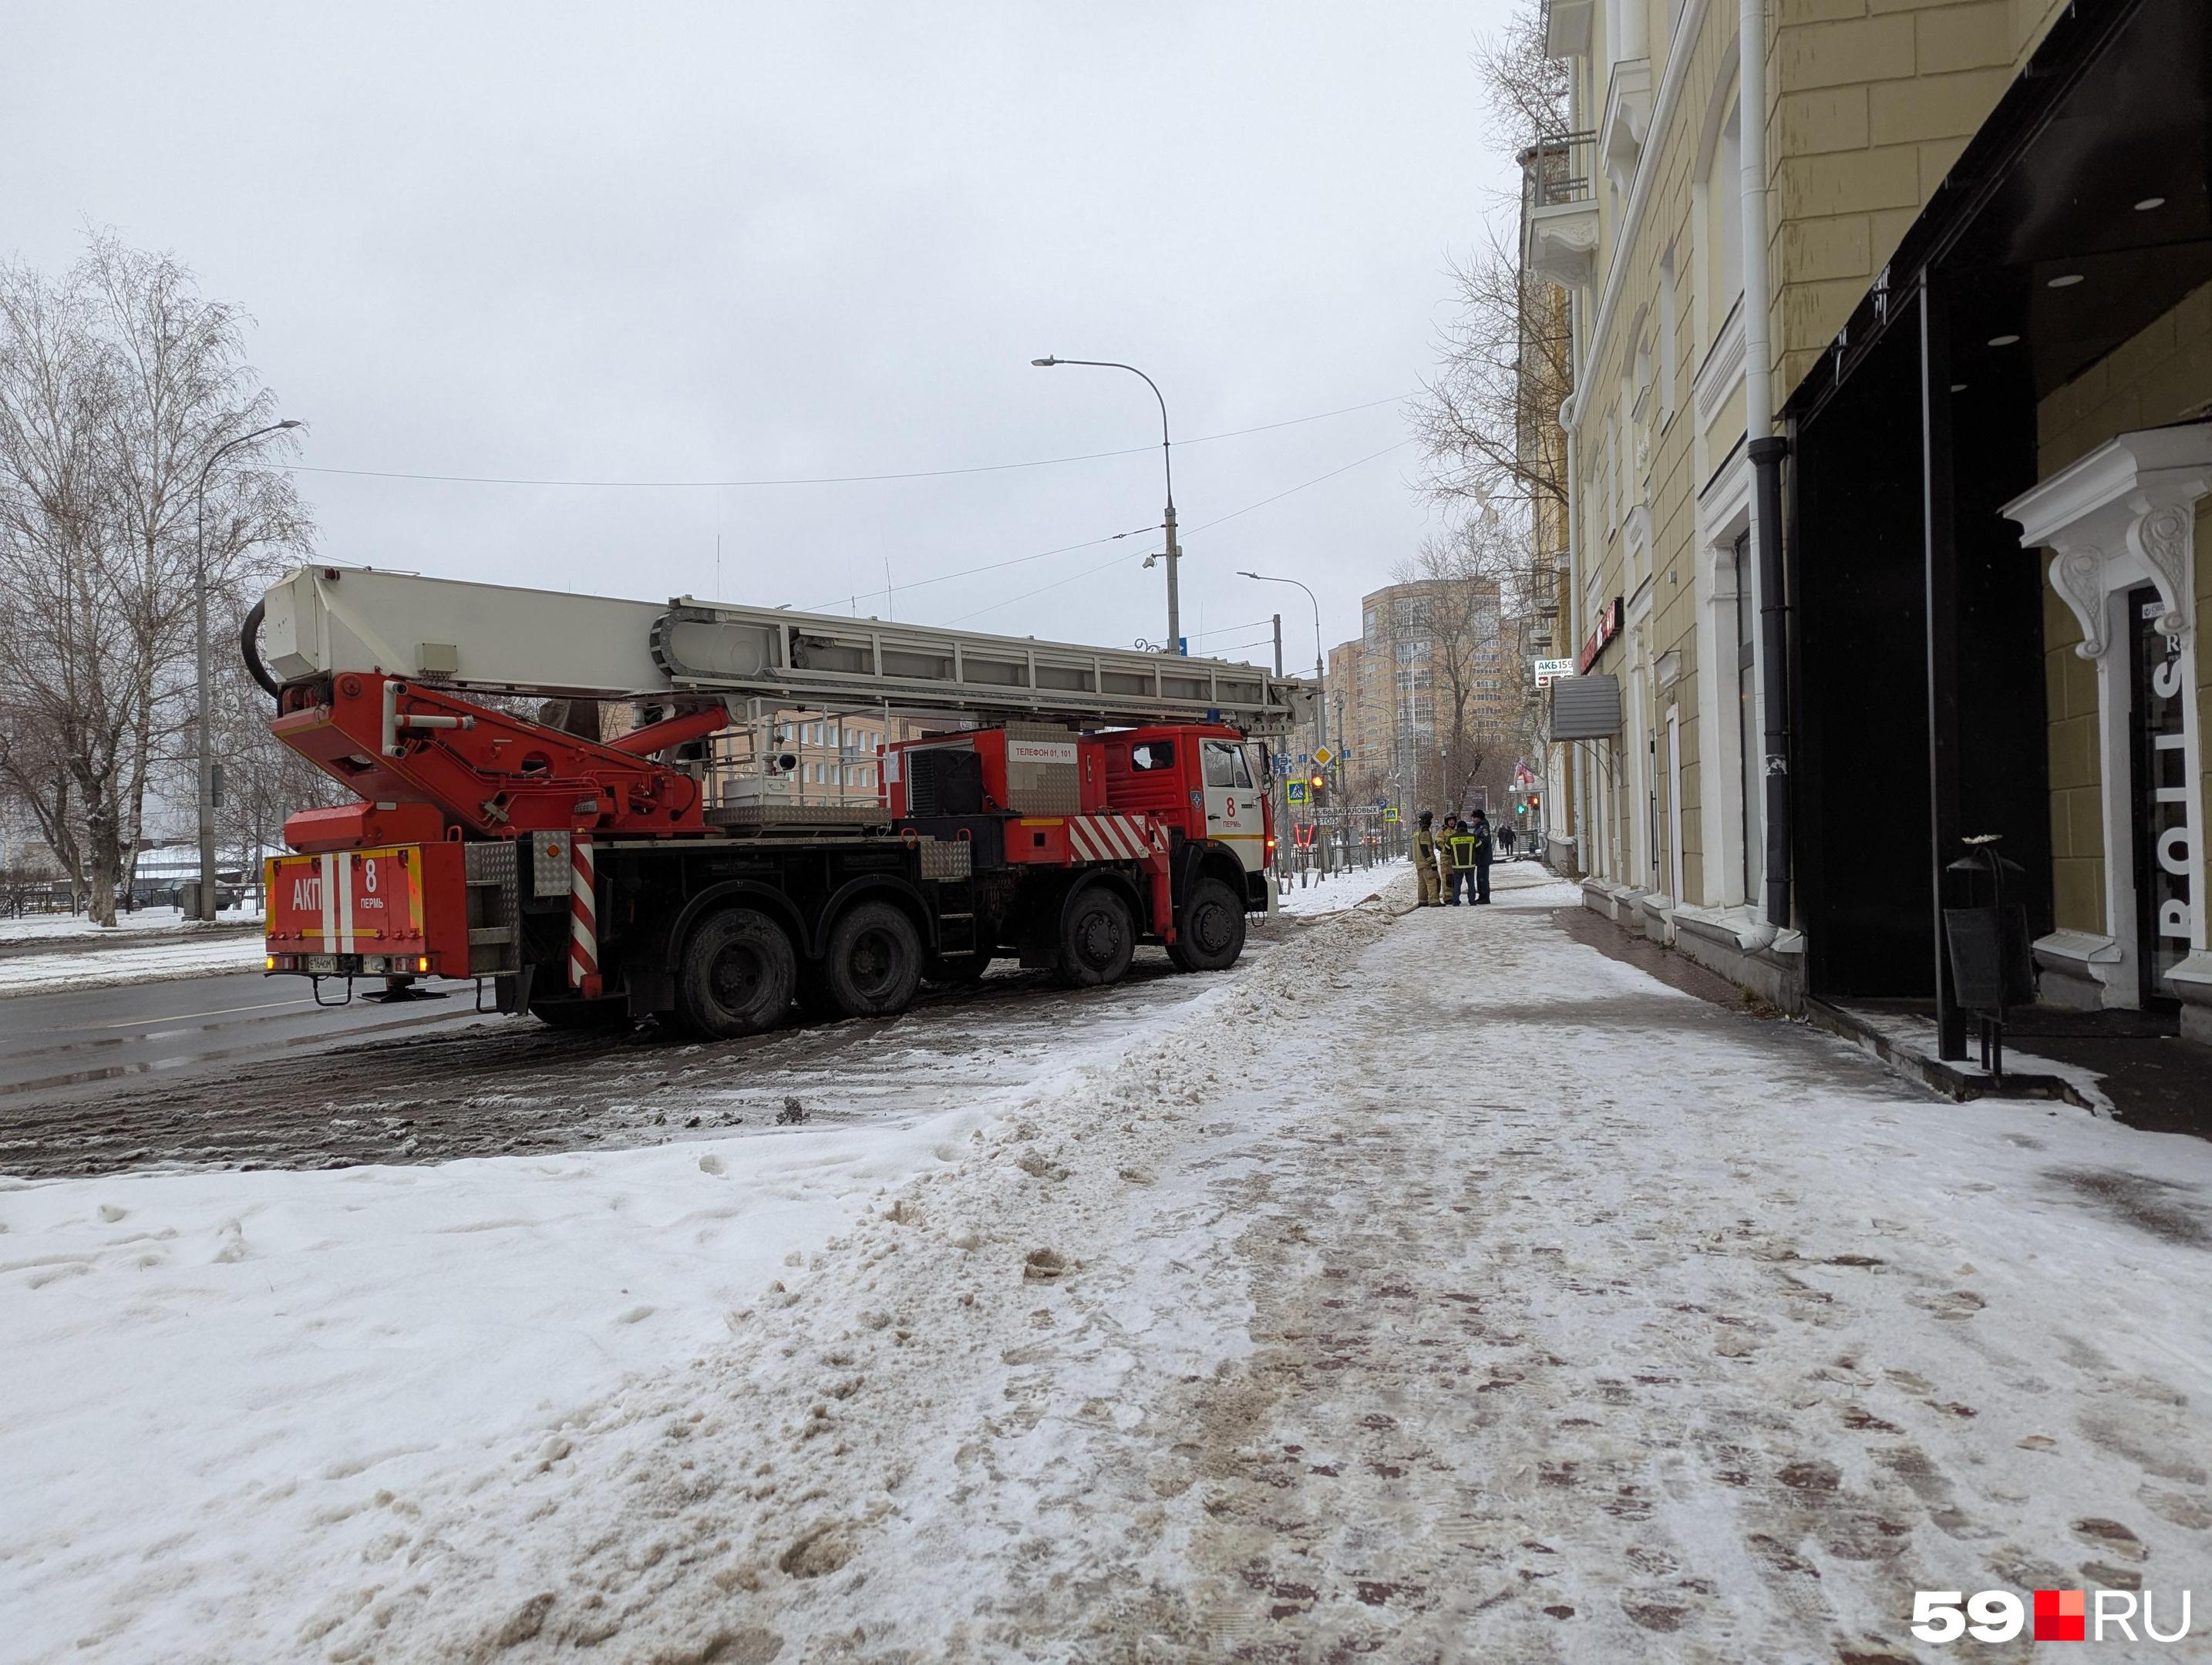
(322, 965)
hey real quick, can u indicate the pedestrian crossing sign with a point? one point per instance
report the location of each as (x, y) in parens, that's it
(1390, 812)
(1297, 789)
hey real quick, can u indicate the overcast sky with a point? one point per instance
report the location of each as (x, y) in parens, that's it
(666, 243)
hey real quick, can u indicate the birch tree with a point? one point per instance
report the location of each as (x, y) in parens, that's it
(118, 381)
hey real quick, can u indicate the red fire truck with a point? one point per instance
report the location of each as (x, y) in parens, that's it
(1062, 804)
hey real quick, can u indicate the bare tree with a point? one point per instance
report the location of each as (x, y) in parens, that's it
(263, 780)
(117, 382)
(1488, 421)
(1474, 580)
(1525, 89)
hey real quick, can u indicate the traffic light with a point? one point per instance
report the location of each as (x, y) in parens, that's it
(1316, 787)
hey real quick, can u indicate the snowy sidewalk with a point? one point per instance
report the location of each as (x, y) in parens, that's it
(142, 956)
(1433, 1288)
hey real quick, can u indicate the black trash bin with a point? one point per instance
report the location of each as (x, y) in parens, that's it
(1992, 965)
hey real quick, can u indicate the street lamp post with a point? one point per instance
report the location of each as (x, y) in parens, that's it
(1320, 671)
(1167, 457)
(207, 898)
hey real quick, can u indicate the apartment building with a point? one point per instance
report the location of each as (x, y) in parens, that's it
(1731, 221)
(1423, 647)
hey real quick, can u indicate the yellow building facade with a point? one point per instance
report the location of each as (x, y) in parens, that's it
(1740, 173)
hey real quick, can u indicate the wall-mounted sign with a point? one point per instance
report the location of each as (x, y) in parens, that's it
(1549, 671)
(1609, 627)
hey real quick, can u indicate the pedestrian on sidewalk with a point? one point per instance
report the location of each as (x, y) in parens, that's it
(1425, 862)
(1462, 862)
(1505, 840)
(1479, 836)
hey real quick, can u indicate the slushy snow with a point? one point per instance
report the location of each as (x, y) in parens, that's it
(1431, 1286)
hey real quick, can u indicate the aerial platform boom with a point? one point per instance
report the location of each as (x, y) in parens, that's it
(491, 638)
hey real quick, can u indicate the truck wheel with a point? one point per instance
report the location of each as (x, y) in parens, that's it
(736, 975)
(1095, 938)
(1211, 935)
(874, 961)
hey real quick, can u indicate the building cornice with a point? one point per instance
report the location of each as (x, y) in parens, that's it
(1671, 80)
(2123, 515)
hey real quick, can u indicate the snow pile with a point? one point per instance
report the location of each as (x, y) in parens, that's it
(248, 1363)
(143, 922)
(203, 1368)
(203, 952)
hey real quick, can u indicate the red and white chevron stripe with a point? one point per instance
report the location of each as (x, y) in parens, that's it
(1107, 838)
(583, 920)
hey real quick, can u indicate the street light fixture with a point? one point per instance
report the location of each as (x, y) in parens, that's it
(207, 897)
(1321, 672)
(1167, 457)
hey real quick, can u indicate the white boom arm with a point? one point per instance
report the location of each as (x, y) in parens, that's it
(494, 639)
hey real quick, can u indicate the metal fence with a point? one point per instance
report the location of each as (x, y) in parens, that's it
(1318, 844)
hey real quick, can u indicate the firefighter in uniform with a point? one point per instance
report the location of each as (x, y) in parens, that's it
(1425, 863)
(1462, 862)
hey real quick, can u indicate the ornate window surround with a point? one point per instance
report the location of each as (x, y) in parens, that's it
(2123, 516)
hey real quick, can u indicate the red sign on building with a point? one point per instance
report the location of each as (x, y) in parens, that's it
(1609, 627)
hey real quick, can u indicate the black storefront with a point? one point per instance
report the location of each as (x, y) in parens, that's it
(1916, 665)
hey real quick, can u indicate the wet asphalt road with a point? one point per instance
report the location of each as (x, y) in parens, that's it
(83, 1044)
(243, 1072)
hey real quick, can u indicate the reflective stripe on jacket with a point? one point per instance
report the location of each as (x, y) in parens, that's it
(1462, 850)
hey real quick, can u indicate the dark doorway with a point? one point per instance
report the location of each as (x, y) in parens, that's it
(1856, 584)
(1859, 575)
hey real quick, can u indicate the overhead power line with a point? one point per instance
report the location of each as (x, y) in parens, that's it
(826, 479)
(1316, 480)
(996, 566)
(1088, 572)
(1232, 514)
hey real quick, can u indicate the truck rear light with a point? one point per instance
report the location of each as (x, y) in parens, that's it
(422, 962)
(269, 962)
